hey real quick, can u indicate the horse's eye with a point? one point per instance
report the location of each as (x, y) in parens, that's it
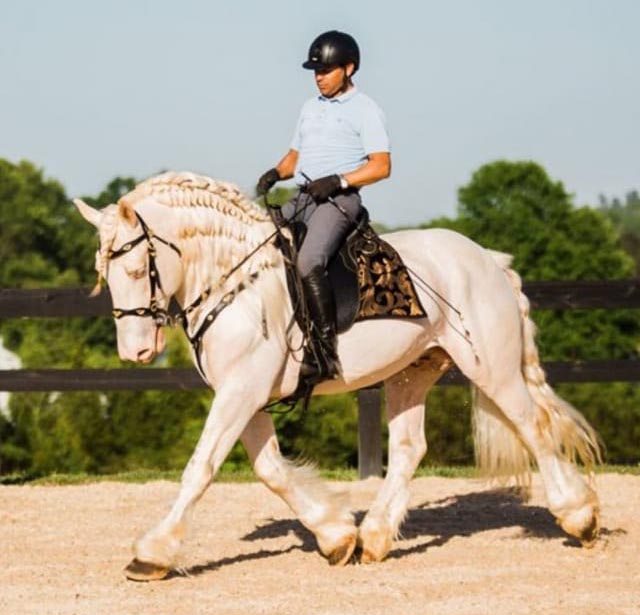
(138, 273)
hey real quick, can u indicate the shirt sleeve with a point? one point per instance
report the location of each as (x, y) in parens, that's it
(374, 130)
(296, 141)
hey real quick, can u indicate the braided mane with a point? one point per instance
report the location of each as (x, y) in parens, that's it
(216, 224)
(190, 190)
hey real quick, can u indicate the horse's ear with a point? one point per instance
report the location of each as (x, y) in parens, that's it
(127, 212)
(90, 214)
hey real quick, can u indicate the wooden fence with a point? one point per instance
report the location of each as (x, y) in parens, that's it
(70, 302)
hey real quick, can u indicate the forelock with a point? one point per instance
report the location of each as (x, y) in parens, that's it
(107, 235)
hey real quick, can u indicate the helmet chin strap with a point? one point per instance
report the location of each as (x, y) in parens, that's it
(346, 81)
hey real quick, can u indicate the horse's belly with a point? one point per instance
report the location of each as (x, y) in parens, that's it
(373, 350)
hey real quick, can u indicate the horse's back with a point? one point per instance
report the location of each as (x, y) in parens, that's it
(451, 261)
(435, 241)
(470, 283)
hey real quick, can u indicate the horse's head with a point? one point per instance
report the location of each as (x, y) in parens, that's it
(143, 271)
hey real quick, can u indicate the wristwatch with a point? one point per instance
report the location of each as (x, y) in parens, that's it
(344, 184)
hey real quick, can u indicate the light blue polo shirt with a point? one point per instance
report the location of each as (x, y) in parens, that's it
(335, 135)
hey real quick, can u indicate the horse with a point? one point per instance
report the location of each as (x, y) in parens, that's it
(208, 246)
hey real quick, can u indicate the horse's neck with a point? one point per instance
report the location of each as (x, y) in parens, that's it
(220, 253)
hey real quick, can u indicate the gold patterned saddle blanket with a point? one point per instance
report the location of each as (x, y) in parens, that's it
(368, 278)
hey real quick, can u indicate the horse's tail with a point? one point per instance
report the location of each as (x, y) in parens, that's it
(499, 451)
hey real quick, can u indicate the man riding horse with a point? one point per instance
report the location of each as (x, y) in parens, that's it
(340, 144)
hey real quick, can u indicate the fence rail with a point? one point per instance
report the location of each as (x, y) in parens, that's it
(139, 379)
(75, 302)
(66, 302)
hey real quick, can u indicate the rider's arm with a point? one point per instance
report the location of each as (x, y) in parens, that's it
(287, 166)
(377, 167)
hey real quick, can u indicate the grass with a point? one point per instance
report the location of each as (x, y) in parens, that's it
(246, 475)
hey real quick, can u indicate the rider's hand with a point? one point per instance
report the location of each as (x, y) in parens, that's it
(323, 188)
(266, 181)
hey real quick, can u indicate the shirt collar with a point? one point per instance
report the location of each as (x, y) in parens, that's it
(349, 94)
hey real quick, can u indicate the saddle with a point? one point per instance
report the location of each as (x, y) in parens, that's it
(367, 275)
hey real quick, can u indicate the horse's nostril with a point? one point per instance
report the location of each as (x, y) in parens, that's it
(144, 355)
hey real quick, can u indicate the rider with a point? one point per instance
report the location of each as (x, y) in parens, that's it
(340, 144)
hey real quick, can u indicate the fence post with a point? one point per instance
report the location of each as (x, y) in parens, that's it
(369, 433)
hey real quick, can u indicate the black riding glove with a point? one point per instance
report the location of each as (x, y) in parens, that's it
(323, 188)
(266, 181)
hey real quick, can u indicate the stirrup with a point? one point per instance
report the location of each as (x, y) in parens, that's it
(317, 367)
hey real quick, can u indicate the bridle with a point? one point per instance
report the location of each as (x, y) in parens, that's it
(159, 314)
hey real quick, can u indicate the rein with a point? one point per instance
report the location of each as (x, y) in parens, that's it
(161, 315)
(277, 233)
(196, 339)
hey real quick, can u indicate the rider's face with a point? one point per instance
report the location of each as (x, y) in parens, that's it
(333, 81)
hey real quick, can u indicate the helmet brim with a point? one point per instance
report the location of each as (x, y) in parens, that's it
(311, 65)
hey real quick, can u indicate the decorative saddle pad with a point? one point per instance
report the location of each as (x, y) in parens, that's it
(368, 278)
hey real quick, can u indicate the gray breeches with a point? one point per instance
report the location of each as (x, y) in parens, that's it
(327, 226)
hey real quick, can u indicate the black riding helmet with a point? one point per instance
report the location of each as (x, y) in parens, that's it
(331, 49)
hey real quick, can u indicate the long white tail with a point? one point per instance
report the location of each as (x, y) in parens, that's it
(499, 450)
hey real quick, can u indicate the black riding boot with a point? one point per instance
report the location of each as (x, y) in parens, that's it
(320, 360)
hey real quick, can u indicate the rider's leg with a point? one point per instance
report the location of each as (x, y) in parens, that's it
(321, 360)
(327, 227)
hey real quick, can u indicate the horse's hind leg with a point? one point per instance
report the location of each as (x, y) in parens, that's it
(551, 431)
(405, 401)
(318, 509)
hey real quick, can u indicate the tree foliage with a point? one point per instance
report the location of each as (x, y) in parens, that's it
(625, 217)
(37, 248)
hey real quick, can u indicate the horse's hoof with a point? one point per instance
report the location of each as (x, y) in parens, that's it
(145, 571)
(342, 554)
(367, 557)
(375, 547)
(590, 533)
(584, 524)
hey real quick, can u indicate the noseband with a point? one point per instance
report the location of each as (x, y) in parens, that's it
(159, 314)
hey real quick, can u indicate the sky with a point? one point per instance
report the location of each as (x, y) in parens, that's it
(90, 90)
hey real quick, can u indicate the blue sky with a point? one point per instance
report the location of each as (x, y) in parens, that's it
(90, 90)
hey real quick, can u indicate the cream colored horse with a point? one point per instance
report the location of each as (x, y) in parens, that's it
(197, 229)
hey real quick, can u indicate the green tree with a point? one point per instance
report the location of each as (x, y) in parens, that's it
(625, 216)
(33, 219)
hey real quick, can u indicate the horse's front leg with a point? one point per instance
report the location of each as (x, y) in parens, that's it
(234, 405)
(321, 511)
(406, 392)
